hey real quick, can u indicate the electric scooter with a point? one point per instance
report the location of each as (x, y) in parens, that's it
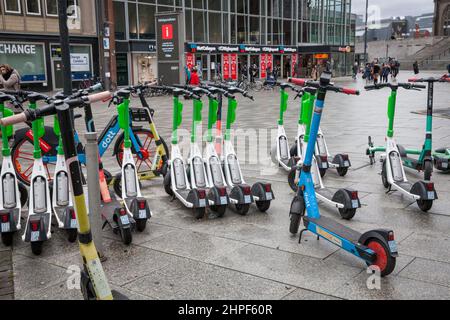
(94, 284)
(280, 152)
(199, 168)
(136, 206)
(241, 194)
(346, 200)
(62, 202)
(377, 248)
(393, 172)
(176, 182)
(39, 222)
(11, 190)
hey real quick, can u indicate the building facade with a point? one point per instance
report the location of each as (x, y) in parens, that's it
(442, 18)
(29, 41)
(222, 36)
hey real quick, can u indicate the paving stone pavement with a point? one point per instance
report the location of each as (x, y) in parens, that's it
(254, 256)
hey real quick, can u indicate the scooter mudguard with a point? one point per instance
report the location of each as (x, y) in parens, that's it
(442, 163)
(263, 191)
(425, 190)
(342, 161)
(322, 162)
(297, 206)
(219, 196)
(242, 194)
(348, 197)
(197, 197)
(70, 218)
(8, 220)
(122, 219)
(140, 209)
(37, 228)
(383, 236)
(402, 151)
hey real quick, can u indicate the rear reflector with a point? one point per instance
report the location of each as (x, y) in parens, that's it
(5, 218)
(268, 187)
(247, 190)
(324, 158)
(142, 205)
(222, 192)
(73, 214)
(35, 226)
(122, 212)
(202, 194)
(430, 186)
(354, 195)
(345, 157)
(391, 236)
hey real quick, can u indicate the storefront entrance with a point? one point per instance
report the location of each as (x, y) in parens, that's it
(122, 69)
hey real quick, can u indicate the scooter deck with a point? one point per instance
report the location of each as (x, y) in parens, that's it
(324, 192)
(404, 185)
(334, 227)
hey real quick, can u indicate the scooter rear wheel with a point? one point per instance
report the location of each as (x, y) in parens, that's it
(342, 171)
(384, 179)
(72, 235)
(126, 236)
(263, 206)
(36, 247)
(141, 224)
(23, 194)
(428, 170)
(384, 261)
(425, 205)
(347, 214)
(199, 213)
(242, 209)
(323, 172)
(295, 223)
(168, 184)
(220, 210)
(7, 239)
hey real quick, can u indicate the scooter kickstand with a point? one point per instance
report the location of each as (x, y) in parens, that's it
(301, 234)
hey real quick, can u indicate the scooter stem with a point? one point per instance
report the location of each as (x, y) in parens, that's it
(35, 126)
(391, 113)
(283, 105)
(124, 121)
(231, 117)
(196, 118)
(212, 117)
(177, 118)
(6, 151)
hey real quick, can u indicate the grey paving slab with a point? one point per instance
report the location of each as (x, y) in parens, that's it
(428, 271)
(293, 269)
(428, 246)
(302, 295)
(197, 280)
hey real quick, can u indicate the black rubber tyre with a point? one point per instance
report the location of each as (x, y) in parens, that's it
(7, 239)
(86, 287)
(23, 194)
(342, 171)
(220, 210)
(72, 235)
(141, 224)
(425, 205)
(295, 223)
(263, 206)
(347, 214)
(108, 176)
(199, 213)
(117, 186)
(242, 209)
(168, 184)
(293, 150)
(126, 236)
(379, 247)
(384, 176)
(291, 179)
(323, 172)
(428, 170)
(36, 247)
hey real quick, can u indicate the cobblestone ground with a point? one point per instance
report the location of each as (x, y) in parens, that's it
(254, 256)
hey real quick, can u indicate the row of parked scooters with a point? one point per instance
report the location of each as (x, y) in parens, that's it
(307, 163)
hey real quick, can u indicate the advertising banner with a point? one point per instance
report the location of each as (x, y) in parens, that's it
(226, 66)
(27, 58)
(263, 65)
(234, 73)
(294, 59)
(79, 62)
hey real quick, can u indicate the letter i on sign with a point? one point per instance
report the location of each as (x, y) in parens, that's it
(167, 31)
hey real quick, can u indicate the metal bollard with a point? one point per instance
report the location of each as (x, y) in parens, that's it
(94, 191)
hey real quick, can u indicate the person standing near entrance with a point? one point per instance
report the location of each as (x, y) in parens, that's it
(195, 80)
(9, 78)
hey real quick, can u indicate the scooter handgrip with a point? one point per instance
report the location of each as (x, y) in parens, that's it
(102, 96)
(297, 81)
(350, 91)
(15, 119)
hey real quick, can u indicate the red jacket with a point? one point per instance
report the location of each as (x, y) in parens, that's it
(195, 80)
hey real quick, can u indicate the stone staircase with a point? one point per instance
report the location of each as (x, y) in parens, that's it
(434, 57)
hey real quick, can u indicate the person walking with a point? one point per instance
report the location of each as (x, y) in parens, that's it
(9, 78)
(195, 79)
(416, 67)
(376, 72)
(355, 70)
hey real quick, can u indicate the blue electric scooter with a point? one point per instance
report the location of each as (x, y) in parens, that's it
(377, 248)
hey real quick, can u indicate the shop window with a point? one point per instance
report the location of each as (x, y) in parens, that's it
(242, 28)
(199, 26)
(132, 18)
(166, 2)
(255, 7)
(188, 22)
(255, 34)
(119, 20)
(214, 5)
(215, 27)
(199, 4)
(51, 7)
(12, 6)
(287, 9)
(146, 22)
(242, 6)
(33, 7)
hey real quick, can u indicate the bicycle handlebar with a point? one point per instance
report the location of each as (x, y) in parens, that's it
(31, 115)
(330, 87)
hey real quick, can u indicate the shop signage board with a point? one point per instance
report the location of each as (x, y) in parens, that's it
(27, 58)
(169, 46)
(241, 49)
(79, 62)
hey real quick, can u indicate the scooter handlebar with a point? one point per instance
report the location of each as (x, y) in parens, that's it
(101, 96)
(15, 119)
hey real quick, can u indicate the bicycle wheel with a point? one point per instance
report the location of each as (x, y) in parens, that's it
(258, 85)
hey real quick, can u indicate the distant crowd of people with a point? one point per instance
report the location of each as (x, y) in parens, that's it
(377, 72)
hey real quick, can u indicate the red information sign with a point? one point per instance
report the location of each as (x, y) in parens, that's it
(226, 66)
(263, 65)
(167, 31)
(233, 58)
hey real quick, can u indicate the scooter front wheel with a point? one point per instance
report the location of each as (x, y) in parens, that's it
(384, 261)
(168, 184)
(425, 205)
(7, 239)
(295, 223)
(291, 179)
(36, 247)
(242, 209)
